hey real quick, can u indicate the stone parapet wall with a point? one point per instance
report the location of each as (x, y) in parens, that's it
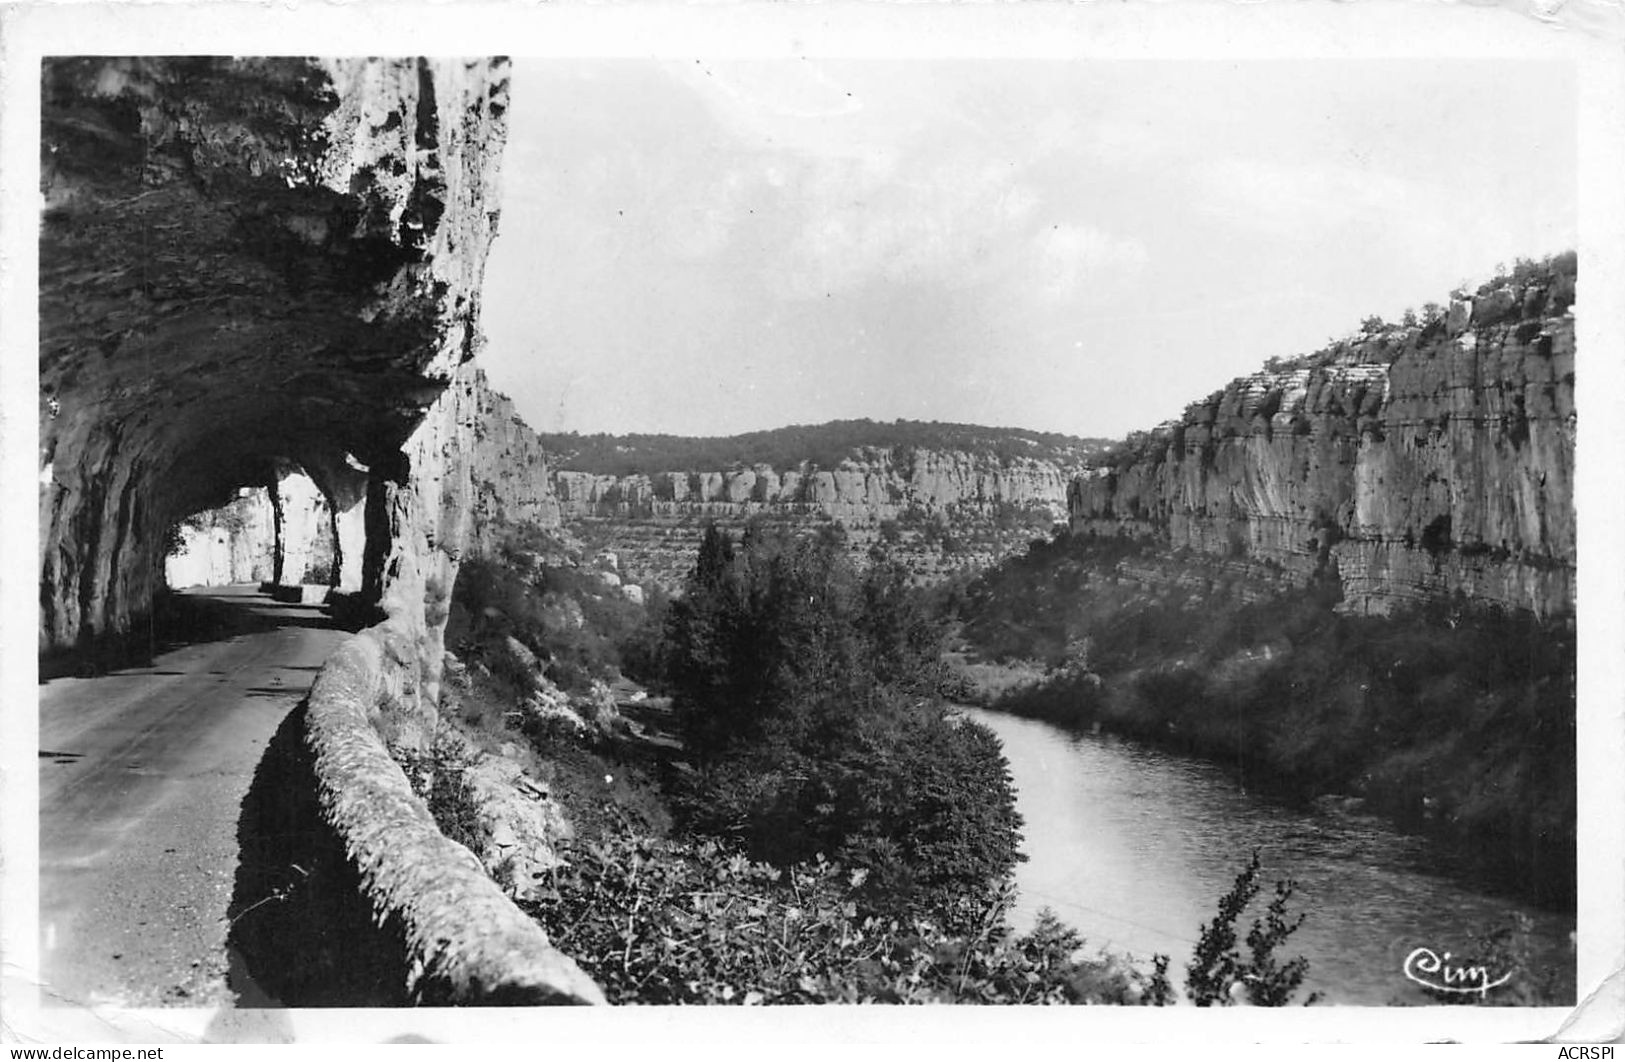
(466, 941)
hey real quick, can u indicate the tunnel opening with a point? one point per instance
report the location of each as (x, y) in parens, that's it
(221, 514)
(285, 534)
(277, 498)
(225, 286)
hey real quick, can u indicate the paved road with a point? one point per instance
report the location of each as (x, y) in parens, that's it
(142, 774)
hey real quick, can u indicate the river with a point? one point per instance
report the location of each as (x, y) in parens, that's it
(1133, 847)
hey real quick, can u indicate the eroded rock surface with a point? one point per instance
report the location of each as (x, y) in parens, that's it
(483, 439)
(247, 261)
(509, 469)
(944, 510)
(249, 266)
(1413, 462)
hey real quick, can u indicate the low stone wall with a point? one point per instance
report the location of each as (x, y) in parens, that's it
(466, 942)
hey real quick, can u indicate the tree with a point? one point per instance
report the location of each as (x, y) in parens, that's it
(902, 636)
(702, 632)
(808, 698)
(759, 629)
(1219, 974)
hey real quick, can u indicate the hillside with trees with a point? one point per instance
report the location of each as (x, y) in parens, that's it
(822, 445)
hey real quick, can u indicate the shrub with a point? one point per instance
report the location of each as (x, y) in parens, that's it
(437, 777)
(579, 626)
(667, 921)
(1436, 536)
(672, 922)
(602, 791)
(1066, 698)
(922, 804)
(1219, 974)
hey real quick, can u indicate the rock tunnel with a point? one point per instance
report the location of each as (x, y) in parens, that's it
(250, 265)
(253, 266)
(286, 534)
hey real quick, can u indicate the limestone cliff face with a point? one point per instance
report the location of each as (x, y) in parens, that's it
(246, 262)
(943, 510)
(1414, 462)
(472, 462)
(507, 466)
(873, 485)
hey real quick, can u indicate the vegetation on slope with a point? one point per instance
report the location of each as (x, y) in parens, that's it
(822, 445)
(572, 614)
(1419, 327)
(806, 697)
(680, 922)
(1450, 718)
(814, 827)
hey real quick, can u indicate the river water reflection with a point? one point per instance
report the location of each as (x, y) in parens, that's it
(1133, 847)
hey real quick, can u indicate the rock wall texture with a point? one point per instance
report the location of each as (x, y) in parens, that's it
(506, 465)
(243, 261)
(1413, 462)
(261, 264)
(951, 509)
(482, 440)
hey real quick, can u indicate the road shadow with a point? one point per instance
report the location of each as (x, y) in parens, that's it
(182, 618)
(301, 933)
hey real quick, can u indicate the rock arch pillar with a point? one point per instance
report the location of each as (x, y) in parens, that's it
(279, 532)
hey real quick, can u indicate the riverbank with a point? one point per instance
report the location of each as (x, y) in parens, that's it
(1457, 726)
(802, 821)
(658, 914)
(1103, 816)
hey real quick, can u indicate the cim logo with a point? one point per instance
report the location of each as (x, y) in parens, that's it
(1433, 971)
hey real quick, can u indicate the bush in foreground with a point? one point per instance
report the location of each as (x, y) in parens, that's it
(669, 922)
(664, 921)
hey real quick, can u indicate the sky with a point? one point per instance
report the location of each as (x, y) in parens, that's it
(709, 247)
